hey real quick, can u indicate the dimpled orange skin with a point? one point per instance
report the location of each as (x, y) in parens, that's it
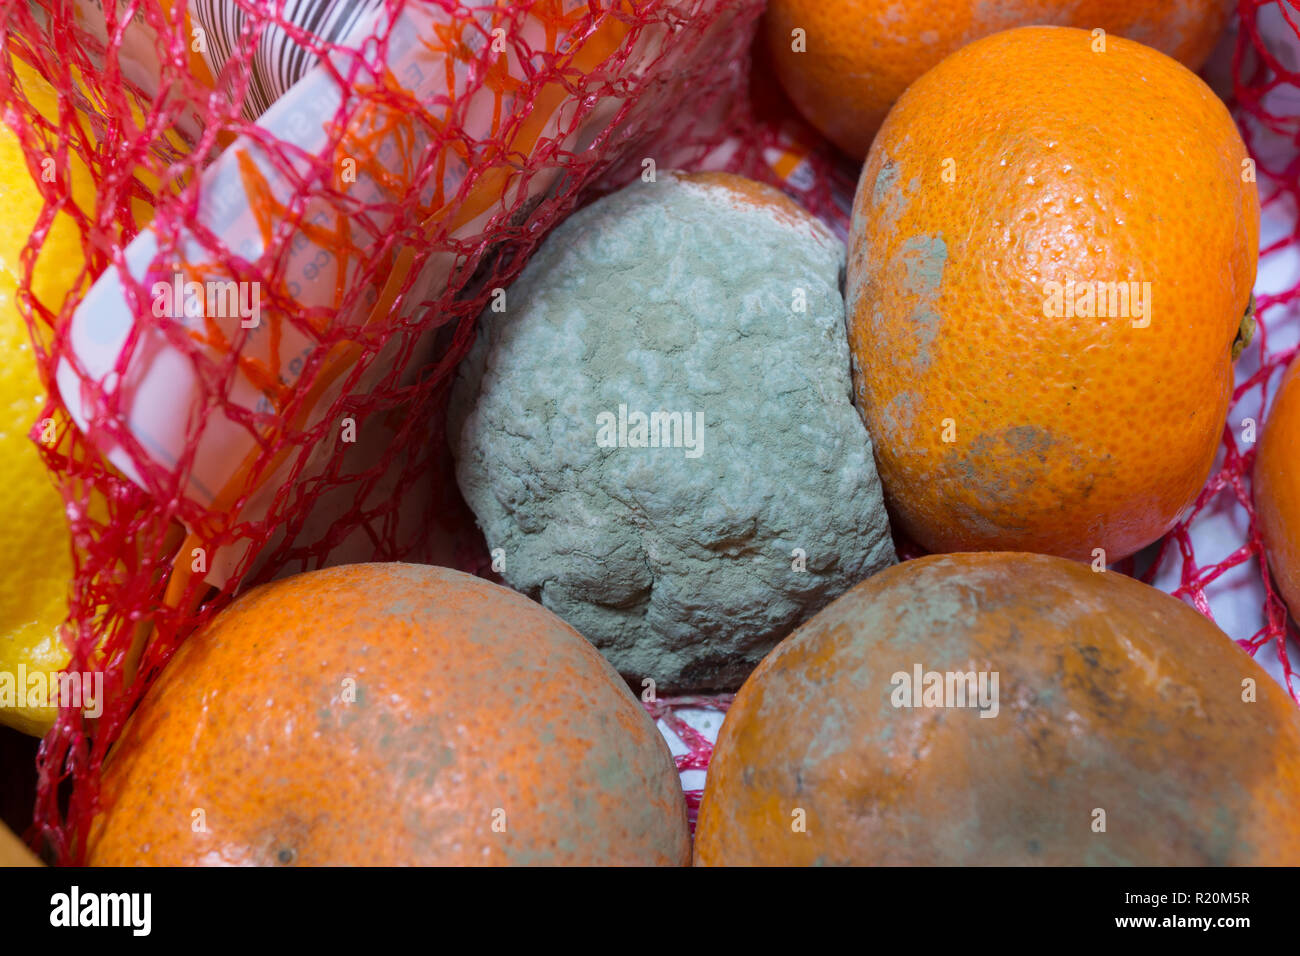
(862, 54)
(473, 706)
(1277, 487)
(1064, 434)
(1110, 694)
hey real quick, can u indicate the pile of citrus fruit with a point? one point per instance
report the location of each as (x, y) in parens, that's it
(1047, 281)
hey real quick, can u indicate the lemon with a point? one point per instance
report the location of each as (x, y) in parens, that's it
(35, 550)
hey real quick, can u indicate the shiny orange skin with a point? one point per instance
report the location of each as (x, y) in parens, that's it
(1111, 695)
(1277, 487)
(1023, 163)
(473, 707)
(862, 54)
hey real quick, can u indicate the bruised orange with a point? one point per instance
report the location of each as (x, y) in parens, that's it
(1005, 709)
(382, 714)
(1277, 487)
(1052, 251)
(854, 58)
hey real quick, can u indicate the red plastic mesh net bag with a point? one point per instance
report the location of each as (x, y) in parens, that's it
(295, 223)
(1214, 558)
(297, 219)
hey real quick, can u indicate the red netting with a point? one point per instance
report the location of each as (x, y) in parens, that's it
(371, 223)
(695, 743)
(1266, 95)
(374, 216)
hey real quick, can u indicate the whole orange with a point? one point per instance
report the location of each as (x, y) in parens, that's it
(1005, 709)
(383, 714)
(1277, 487)
(1051, 255)
(854, 58)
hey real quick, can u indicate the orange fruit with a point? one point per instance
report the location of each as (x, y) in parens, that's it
(1051, 255)
(858, 56)
(1125, 729)
(382, 714)
(1277, 488)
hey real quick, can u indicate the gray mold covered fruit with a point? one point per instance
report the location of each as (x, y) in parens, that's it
(686, 562)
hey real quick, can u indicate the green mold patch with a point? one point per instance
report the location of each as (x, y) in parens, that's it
(923, 259)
